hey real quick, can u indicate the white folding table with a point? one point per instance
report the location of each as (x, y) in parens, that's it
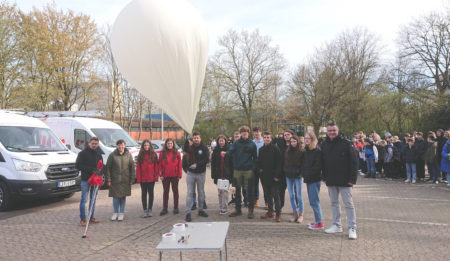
(203, 236)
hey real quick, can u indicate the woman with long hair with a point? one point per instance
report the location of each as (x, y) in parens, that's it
(312, 166)
(147, 174)
(221, 170)
(170, 172)
(292, 168)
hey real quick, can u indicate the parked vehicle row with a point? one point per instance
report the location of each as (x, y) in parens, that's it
(37, 156)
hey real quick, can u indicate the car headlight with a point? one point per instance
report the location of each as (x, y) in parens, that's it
(26, 166)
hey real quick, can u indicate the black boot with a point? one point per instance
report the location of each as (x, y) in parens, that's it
(237, 212)
(250, 214)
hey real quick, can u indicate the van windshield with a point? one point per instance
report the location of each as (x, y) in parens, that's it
(109, 137)
(29, 139)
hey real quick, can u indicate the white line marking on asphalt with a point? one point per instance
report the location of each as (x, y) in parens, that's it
(405, 221)
(425, 199)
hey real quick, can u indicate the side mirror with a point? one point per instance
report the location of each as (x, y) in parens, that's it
(68, 146)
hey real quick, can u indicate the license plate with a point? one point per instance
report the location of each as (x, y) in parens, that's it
(66, 183)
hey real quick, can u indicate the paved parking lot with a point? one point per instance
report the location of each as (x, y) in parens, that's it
(396, 221)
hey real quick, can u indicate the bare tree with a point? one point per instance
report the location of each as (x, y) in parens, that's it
(427, 42)
(112, 75)
(247, 64)
(337, 79)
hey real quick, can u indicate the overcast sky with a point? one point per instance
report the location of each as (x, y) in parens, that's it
(296, 26)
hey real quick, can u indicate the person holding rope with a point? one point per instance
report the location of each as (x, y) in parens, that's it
(86, 162)
(120, 174)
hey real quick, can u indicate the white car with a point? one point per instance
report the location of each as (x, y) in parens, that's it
(34, 163)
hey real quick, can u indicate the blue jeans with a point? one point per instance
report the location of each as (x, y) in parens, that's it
(433, 170)
(119, 204)
(85, 188)
(371, 170)
(295, 195)
(410, 170)
(314, 201)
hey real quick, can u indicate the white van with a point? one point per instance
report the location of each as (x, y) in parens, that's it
(33, 161)
(75, 132)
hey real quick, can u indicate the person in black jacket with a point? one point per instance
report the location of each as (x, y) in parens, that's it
(283, 145)
(402, 146)
(339, 171)
(293, 160)
(312, 174)
(269, 169)
(197, 157)
(86, 162)
(222, 171)
(421, 146)
(410, 157)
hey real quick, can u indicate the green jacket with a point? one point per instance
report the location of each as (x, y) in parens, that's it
(243, 153)
(430, 155)
(120, 171)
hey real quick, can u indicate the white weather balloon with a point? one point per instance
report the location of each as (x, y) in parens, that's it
(161, 48)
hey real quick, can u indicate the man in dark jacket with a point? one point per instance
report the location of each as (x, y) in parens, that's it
(86, 162)
(410, 157)
(339, 172)
(402, 147)
(195, 166)
(269, 169)
(243, 155)
(421, 146)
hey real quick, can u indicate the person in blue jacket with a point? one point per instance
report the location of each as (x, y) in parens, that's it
(445, 162)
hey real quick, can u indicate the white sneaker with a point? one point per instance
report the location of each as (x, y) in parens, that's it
(333, 229)
(149, 213)
(352, 233)
(120, 217)
(114, 217)
(414, 181)
(406, 181)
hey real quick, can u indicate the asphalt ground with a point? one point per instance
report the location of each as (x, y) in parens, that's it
(395, 221)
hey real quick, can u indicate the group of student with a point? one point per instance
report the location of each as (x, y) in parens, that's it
(394, 158)
(243, 163)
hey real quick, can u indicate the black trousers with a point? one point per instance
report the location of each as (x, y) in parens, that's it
(282, 189)
(379, 166)
(272, 195)
(147, 188)
(420, 169)
(388, 169)
(403, 169)
(363, 166)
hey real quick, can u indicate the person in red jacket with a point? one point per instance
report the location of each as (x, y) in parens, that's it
(147, 170)
(170, 172)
